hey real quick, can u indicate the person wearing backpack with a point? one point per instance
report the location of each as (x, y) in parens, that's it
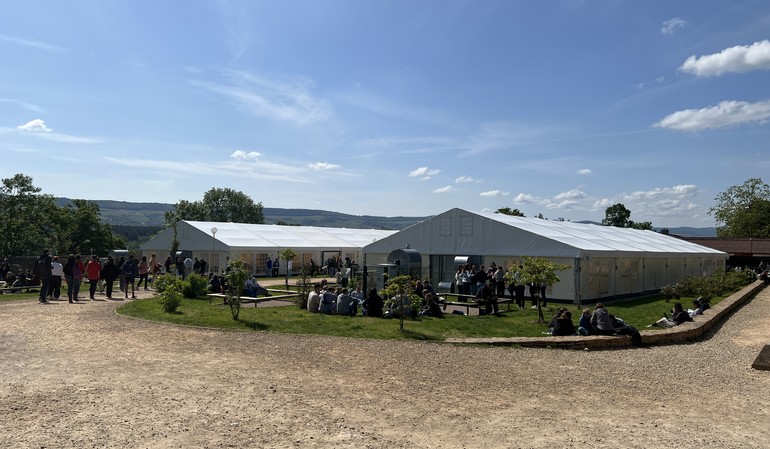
(42, 269)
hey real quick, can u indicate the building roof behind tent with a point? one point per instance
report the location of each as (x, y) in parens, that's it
(596, 238)
(244, 235)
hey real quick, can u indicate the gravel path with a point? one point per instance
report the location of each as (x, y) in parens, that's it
(79, 376)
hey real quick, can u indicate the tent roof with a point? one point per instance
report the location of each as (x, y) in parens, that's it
(590, 237)
(498, 234)
(240, 235)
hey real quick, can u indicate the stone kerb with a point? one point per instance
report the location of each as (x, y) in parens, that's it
(684, 332)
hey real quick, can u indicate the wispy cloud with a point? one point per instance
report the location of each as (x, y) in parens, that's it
(573, 194)
(423, 172)
(322, 166)
(288, 100)
(723, 115)
(741, 58)
(671, 201)
(670, 26)
(254, 169)
(446, 189)
(37, 128)
(31, 43)
(494, 193)
(584, 171)
(23, 104)
(465, 179)
(245, 156)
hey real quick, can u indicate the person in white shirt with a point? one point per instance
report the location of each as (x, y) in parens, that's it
(57, 273)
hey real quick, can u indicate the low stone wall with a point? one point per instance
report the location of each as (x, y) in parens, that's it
(684, 332)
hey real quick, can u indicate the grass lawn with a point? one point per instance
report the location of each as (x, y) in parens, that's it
(290, 319)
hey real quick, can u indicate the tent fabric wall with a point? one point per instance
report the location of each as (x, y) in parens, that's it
(605, 261)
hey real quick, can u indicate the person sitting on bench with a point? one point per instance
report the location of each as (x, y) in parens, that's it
(486, 296)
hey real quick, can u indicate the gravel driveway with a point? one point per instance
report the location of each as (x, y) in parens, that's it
(79, 376)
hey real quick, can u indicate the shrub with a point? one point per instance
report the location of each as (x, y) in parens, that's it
(170, 299)
(194, 286)
(162, 282)
(719, 283)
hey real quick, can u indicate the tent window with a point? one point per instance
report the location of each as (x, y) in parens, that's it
(466, 225)
(445, 226)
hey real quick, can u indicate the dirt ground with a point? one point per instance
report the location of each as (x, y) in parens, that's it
(80, 376)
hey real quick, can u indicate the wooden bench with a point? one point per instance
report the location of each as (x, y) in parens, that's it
(13, 290)
(473, 304)
(286, 296)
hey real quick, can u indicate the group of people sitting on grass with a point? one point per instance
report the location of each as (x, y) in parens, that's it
(597, 322)
(679, 315)
(340, 301)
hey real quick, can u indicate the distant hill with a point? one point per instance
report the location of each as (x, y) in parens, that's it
(151, 214)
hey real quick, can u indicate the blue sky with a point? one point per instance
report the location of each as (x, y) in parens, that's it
(391, 107)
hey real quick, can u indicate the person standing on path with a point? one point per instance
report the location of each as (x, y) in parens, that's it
(130, 272)
(43, 270)
(57, 273)
(94, 273)
(110, 272)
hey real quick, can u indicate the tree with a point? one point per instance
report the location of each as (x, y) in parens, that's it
(743, 211)
(27, 218)
(399, 292)
(537, 271)
(221, 205)
(509, 211)
(617, 215)
(287, 255)
(82, 230)
(236, 276)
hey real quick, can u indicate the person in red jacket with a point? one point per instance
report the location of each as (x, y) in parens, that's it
(93, 273)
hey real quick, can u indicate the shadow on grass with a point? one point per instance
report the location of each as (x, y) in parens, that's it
(418, 335)
(255, 326)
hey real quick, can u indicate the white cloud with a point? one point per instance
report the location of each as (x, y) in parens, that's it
(524, 198)
(494, 193)
(320, 166)
(723, 115)
(584, 171)
(446, 189)
(464, 179)
(424, 172)
(36, 125)
(573, 194)
(286, 100)
(671, 25)
(741, 58)
(603, 203)
(660, 79)
(680, 191)
(245, 156)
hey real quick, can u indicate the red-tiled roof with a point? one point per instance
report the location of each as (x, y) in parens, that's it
(734, 247)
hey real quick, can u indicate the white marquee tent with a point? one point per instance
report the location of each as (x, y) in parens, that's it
(604, 261)
(254, 243)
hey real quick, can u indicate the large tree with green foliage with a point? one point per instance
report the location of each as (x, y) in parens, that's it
(222, 205)
(744, 210)
(617, 215)
(31, 221)
(82, 230)
(27, 217)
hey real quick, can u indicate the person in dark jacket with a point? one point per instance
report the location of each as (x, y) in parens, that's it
(130, 271)
(564, 325)
(373, 304)
(110, 272)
